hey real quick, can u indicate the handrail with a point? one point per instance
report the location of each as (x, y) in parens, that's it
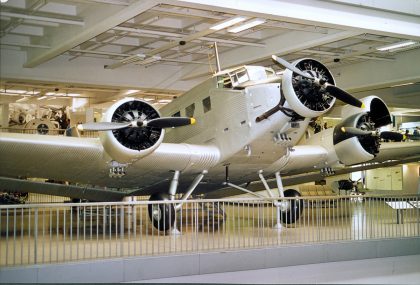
(226, 200)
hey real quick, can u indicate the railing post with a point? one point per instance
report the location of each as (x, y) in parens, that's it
(36, 236)
(121, 230)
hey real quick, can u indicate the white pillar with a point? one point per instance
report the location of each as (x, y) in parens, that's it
(4, 115)
(89, 115)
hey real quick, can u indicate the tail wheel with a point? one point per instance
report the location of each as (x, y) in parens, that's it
(294, 207)
(161, 215)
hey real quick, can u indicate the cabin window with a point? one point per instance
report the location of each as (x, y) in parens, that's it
(177, 114)
(189, 111)
(206, 104)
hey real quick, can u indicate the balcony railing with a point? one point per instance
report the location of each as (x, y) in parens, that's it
(50, 233)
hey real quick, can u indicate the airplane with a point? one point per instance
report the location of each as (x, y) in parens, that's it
(242, 125)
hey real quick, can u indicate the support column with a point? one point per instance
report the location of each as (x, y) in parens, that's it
(4, 115)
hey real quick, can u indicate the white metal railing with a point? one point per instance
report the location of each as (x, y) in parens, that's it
(35, 234)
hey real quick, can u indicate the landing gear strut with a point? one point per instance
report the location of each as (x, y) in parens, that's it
(163, 215)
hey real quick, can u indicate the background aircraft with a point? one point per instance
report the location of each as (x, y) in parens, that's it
(241, 125)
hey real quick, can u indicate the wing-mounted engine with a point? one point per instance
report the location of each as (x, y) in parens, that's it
(356, 138)
(132, 129)
(374, 105)
(306, 96)
(131, 143)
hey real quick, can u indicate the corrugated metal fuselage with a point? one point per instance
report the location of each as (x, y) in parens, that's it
(226, 120)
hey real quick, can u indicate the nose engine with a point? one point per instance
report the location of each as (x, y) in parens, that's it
(304, 95)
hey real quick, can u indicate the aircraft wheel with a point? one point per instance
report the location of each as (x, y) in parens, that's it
(161, 215)
(293, 209)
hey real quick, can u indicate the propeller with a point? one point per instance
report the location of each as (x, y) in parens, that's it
(333, 90)
(386, 135)
(358, 132)
(167, 122)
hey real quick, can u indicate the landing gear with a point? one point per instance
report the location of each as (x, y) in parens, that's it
(161, 215)
(294, 208)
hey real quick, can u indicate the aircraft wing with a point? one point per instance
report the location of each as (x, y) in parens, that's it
(298, 168)
(84, 161)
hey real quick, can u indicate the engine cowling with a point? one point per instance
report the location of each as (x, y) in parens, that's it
(346, 147)
(304, 96)
(130, 144)
(354, 149)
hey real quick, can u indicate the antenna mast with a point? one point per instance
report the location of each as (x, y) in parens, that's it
(216, 54)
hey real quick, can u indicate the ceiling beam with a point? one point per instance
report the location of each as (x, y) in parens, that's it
(97, 22)
(179, 35)
(281, 45)
(316, 12)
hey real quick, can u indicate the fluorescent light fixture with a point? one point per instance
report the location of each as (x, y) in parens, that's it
(149, 60)
(396, 45)
(148, 99)
(246, 25)
(22, 99)
(16, 91)
(73, 94)
(133, 58)
(131, 92)
(40, 98)
(402, 84)
(227, 23)
(164, 101)
(3, 1)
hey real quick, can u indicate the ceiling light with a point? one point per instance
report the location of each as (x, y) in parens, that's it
(164, 101)
(133, 58)
(402, 84)
(40, 98)
(73, 94)
(396, 45)
(227, 23)
(3, 1)
(246, 25)
(131, 92)
(16, 91)
(149, 60)
(22, 99)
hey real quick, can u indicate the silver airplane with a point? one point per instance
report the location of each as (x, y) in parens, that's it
(241, 126)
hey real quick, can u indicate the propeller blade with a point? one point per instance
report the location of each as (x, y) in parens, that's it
(290, 66)
(357, 132)
(102, 126)
(342, 95)
(392, 136)
(170, 122)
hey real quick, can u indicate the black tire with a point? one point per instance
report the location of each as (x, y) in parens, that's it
(161, 215)
(295, 208)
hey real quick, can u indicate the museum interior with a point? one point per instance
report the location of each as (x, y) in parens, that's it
(142, 140)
